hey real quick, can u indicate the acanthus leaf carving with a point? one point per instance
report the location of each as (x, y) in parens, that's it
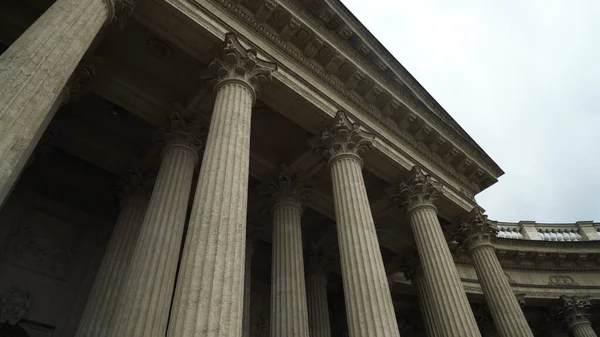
(240, 64)
(182, 131)
(344, 138)
(476, 230)
(135, 183)
(287, 187)
(575, 309)
(417, 190)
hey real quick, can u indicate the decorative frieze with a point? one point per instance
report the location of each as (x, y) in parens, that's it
(265, 10)
(290, 29)
(313, 47)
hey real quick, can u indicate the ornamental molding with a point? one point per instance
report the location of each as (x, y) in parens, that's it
(562, 281)
(514, 284)
(543, 255)
(374, 58)
(538, 261)
(374, 114)
(529, 294)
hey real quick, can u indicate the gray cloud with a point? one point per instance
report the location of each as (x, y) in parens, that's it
(523, 79)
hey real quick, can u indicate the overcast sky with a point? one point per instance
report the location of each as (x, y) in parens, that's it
(522, 77)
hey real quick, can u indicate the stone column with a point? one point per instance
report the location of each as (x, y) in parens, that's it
(476, 235)
(209, 295)
(100, 307)
(575, 314)
(33, 73)
(143, 309)
(452, 310)
(316, 289)
(289, 315)
(247, 285)
(367, 294)
(414, 272)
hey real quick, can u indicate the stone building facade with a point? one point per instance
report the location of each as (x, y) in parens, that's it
(217, 168)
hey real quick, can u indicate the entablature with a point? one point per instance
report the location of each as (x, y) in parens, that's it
(184, 22)
(291, 29)
(544, 255)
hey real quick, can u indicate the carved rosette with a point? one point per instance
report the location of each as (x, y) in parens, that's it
(344, 138)
(135, 184)
(287, 188)
(575, 310)
(237, 64)
(477, 230)
(181, 132)
(418, 190)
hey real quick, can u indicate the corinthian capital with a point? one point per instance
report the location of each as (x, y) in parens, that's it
(575, 309)
(476, 230)
(119, 11)
(235, 63)
(287, 187)
(344, 138)
(318, 263)
(419, 189)
(135, 184)
(180, 131)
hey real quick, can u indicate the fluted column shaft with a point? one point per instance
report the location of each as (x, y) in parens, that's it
(318, 308)
(450, 301)
(146, 297)
(504, 308)
(247, 288)
(289, 315)
(426, 304)
(100, 307)
(368, 301)
(583, 329)
(34, 70)
(209, 295)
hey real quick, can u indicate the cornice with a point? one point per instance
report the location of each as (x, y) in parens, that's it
(388, 58)
(544, 255)
(249, 21)
(382, 60)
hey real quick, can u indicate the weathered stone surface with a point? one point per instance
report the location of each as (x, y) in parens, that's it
(209, 295)
(143, 309)
(33, 72)
(369, 309)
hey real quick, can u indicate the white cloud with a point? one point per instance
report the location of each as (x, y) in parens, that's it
(523, 79)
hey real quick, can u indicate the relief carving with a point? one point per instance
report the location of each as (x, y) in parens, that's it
(561, 281)
(42, 244)
(14, 305)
